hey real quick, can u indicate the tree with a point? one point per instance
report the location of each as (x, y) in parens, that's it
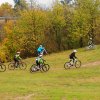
(20, 5)
(29, 30)
(88, 12)
(9, 40)
(6, 10)
(58, 22)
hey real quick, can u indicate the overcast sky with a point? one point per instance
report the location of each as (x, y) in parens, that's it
(45, 3)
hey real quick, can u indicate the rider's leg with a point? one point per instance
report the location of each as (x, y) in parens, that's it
(38, 64)
(18, 62)
(15, 62)
(71, 61)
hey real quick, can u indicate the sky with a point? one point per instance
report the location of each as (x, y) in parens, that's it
(45, 3)
(9, 1)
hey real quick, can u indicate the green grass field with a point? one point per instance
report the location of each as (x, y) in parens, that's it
(56, 84)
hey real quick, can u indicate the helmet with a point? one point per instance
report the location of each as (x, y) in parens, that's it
(74, 50)
(40, 55)
(18, 52)
(40, 45)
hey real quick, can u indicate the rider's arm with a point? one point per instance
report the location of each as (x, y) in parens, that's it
(19, 58)
(45, 50)
(41, 61)
(74, 55)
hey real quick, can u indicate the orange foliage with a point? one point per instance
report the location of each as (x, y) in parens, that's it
(6, 10)
(9, 27)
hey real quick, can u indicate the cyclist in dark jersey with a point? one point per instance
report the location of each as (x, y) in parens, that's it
(72, 56)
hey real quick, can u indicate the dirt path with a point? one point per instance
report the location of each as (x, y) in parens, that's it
(27, 97)
(91, 64)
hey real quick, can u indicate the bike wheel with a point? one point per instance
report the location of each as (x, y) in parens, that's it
(2, 68)
(22, 65)
(78, 64)
(45, 67)
(11, 66)
(33, 68)
(48, 67)
(67, 65)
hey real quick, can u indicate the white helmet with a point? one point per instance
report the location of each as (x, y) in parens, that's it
(74, 50)
(18, 52)
(40, 55)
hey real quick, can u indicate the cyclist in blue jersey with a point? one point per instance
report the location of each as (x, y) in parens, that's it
(41, 50)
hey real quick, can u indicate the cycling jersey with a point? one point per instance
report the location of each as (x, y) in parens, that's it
(40, 60)
(17, 57)
(72, 55)
(40, 49)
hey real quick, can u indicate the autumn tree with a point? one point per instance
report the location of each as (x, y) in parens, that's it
(6, 10)
(29, 30)
(9, 40)
(86, 14)
(58, 23)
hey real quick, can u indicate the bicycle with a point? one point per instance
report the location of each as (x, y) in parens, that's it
(2, 67)
(43, 67)
(68, 65)
(21, 65)
(91, 44)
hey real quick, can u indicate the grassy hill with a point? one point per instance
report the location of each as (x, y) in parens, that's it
(56, 84)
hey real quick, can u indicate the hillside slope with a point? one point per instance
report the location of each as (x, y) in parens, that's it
(56, 84)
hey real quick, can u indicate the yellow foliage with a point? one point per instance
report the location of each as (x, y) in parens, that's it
(5, 40)
(6, 9)
(9, 27)
(2, 57)
(3, 54)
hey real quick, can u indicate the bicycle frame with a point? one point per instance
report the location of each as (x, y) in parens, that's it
(73, 63)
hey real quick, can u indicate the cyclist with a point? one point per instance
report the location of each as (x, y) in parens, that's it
(41, 50)
(17, 58)
(72, 56)
(90, 43)
(39, 61)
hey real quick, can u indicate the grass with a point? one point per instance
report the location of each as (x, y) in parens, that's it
(57, 83)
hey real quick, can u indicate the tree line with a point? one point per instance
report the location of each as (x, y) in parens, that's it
(62, 27)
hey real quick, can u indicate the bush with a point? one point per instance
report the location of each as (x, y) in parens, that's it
(4, 55)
